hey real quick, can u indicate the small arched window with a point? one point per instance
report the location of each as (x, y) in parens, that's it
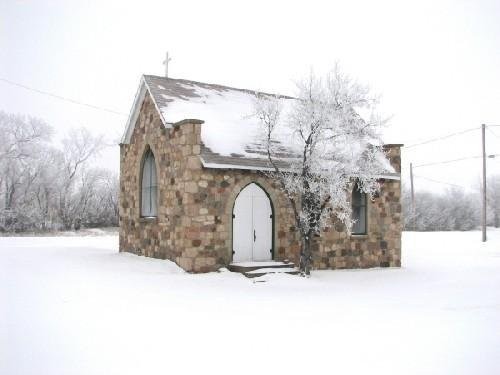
(149, 189)
(358, 211)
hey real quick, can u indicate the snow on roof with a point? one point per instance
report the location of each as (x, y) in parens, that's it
(230, 127)
(231, 133)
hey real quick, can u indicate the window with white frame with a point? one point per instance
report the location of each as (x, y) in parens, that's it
(359, 210)
(149, 188)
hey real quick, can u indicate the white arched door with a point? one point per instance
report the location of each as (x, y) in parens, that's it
(252, 225)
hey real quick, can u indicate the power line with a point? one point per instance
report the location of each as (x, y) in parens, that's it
(442, 137)
(492, 132)
(439, 182)
(448, 161)
(490, 156)
(62, 97)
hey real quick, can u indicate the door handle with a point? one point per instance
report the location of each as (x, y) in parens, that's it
(254, 236)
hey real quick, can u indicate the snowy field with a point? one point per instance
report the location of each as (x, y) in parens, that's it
(73, 305)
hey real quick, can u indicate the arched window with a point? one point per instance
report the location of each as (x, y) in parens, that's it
(358, 211)
(149, 189)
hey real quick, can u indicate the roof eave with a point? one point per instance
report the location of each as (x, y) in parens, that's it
(165, 123)
(387, 176)
(136, 108)
(210, 165)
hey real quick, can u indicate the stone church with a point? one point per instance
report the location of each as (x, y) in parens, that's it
(192, 188)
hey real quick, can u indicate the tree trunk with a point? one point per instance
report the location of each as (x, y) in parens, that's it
(9, 196)
(46, 208)
(6, 195)
(305, 255)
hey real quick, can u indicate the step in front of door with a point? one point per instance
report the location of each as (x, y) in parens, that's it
(255, 269)
(268, 270)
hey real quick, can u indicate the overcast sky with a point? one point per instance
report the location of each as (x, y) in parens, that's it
(435, 63)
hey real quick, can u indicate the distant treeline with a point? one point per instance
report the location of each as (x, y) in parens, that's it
(454, 209)
(44, 187)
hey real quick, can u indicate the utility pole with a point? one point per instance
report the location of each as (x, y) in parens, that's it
(167, 60)
(412, 189)
(412, 196)
(483, 213)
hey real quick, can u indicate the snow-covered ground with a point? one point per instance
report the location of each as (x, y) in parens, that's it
(73, 305)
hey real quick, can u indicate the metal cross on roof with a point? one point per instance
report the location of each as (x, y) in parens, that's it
(167, 60)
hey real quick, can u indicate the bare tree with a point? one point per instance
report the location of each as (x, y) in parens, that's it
(98, 198)
(332, 150)
(494, 200)
(21, 139)
(78, 147)
(46, 186)
(19, 142)
(43, 187)
(453, 209)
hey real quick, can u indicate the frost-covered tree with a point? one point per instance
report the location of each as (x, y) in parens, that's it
(493, 195)
(453, 209)
(320, 148)
(20, 141)
(98, 198)
(22, 138)
(78, 147)
(43, 187)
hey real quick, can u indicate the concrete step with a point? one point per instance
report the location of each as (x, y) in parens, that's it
(266, 271)
(256, 269)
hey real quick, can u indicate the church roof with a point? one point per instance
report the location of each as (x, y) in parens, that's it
(231, 133)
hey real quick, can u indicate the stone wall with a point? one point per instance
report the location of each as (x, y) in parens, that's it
(381, 245)
(194, 223)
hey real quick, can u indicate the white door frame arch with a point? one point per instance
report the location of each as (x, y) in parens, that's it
(253, 224)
